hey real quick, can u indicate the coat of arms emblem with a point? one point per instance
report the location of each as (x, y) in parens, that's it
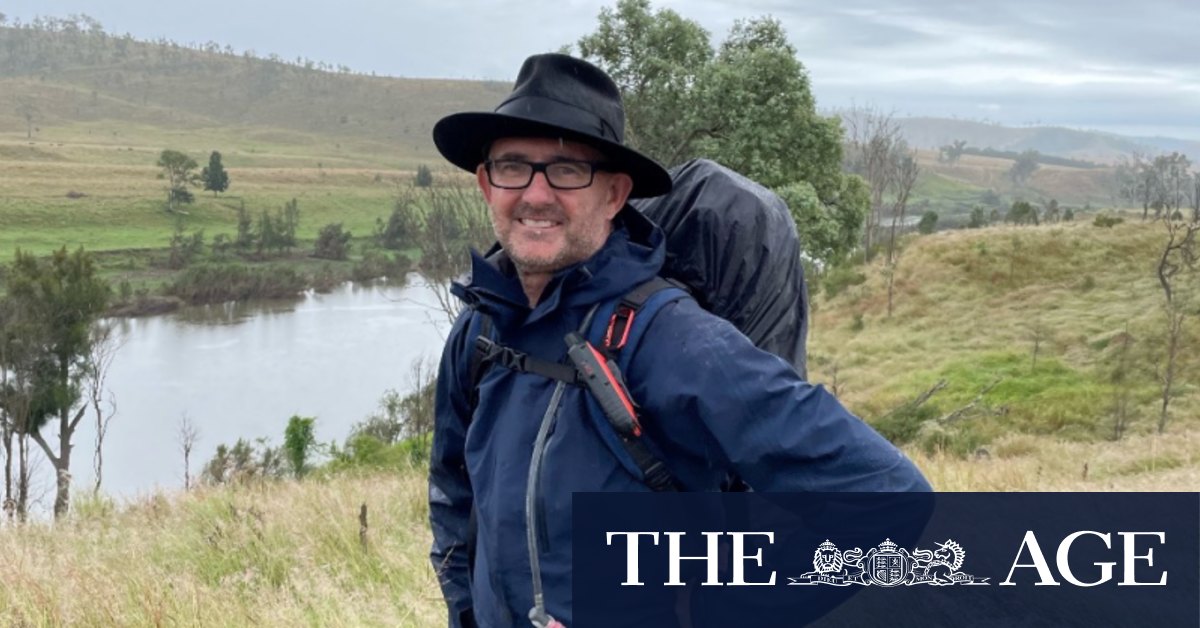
(888, 565)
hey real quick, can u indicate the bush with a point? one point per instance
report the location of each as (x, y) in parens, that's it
(332, 242)
(218, 283)
(841, 277)
(424, 177)
(903, 425)
(403, 227)
(380, 265)
(928, 222)
(1106, 221)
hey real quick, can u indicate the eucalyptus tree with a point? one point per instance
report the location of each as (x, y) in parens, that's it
(59, 298)
(747, 104)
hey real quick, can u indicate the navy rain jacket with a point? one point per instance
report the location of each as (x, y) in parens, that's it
(711, 403)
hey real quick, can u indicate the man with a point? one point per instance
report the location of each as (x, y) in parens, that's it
(552, 166)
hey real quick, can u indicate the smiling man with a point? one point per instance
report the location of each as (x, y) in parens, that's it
(572, 257)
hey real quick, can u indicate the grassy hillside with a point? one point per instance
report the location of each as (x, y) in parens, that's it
(972, 307)
(62, 75)
(953, 189)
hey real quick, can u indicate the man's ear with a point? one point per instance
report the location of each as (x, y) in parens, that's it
(485, 186)
(619, 187)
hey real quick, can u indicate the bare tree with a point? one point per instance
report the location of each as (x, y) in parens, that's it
(189, 435)
(871, 136)
(878, 153)
(904, 171)
(457, 220)
(104, 348)
(1177, 262)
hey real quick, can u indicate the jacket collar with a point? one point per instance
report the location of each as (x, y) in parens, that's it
(632, 255)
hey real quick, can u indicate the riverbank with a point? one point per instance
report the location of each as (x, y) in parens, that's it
(144, 283)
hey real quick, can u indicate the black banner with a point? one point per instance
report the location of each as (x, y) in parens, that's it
(945, 559)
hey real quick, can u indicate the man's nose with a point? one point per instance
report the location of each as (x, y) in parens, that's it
(538, 191)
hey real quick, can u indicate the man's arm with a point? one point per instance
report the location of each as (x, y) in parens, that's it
(450, 495)
(710, 392)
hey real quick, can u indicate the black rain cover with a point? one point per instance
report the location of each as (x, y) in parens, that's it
(734, 243)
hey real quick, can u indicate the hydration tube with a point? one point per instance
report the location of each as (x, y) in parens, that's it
(538, 614)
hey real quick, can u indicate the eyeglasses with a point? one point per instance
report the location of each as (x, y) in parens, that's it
(516, 174)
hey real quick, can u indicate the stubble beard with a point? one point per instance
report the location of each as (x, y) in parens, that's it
(577, 246)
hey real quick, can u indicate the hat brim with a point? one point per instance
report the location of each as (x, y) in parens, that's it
(462, 139)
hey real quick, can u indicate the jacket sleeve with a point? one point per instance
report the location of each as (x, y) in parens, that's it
(450, 496)
(712, 397)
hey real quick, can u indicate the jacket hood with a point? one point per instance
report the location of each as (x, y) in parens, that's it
(633, 254)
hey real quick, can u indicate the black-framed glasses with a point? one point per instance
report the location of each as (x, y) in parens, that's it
(516, 174)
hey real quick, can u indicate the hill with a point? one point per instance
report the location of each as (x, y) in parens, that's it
(64, 74)
(931, 133)
(1022, 325)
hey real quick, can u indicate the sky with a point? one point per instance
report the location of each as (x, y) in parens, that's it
(1123, 67)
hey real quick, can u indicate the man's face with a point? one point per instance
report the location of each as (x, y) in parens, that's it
(544, 229)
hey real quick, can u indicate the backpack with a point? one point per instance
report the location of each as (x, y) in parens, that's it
(732, 245)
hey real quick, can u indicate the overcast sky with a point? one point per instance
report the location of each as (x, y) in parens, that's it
(1126, 67)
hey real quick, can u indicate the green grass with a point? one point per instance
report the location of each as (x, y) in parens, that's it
(969, 307)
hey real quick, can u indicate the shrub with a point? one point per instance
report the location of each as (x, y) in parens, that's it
(403, 227)
(332, 242)
(1106, 221)
(380, 265)
(424, 177)
(218, 283)
(841, 277)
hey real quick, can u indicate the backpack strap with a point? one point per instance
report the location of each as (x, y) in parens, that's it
(620, 324)
(628, 320)
(620, 330)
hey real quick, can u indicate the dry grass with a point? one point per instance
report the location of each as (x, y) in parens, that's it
(281, 554)
(288, 553)
(1145, 462)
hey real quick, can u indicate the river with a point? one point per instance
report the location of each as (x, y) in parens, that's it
(241, 370)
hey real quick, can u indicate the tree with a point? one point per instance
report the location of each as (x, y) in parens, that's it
(951, 153)
(978, 218)
(188, 434)
(178, 170)
(928, 222)
(876, 151)
(1022, 212)
(1177, 268)
(29, 112)
(748, 105)
(1023, 168)
(213, 175)
(1052, 211)
(424, 177)
(18, 351)
(61, 298)
(829, 232)
(298, 442)
(404, 225)
(332, 242)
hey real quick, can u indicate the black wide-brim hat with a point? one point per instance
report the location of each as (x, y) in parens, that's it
(555, 96)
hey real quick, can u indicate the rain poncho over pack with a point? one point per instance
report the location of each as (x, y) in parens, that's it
(711, 403)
